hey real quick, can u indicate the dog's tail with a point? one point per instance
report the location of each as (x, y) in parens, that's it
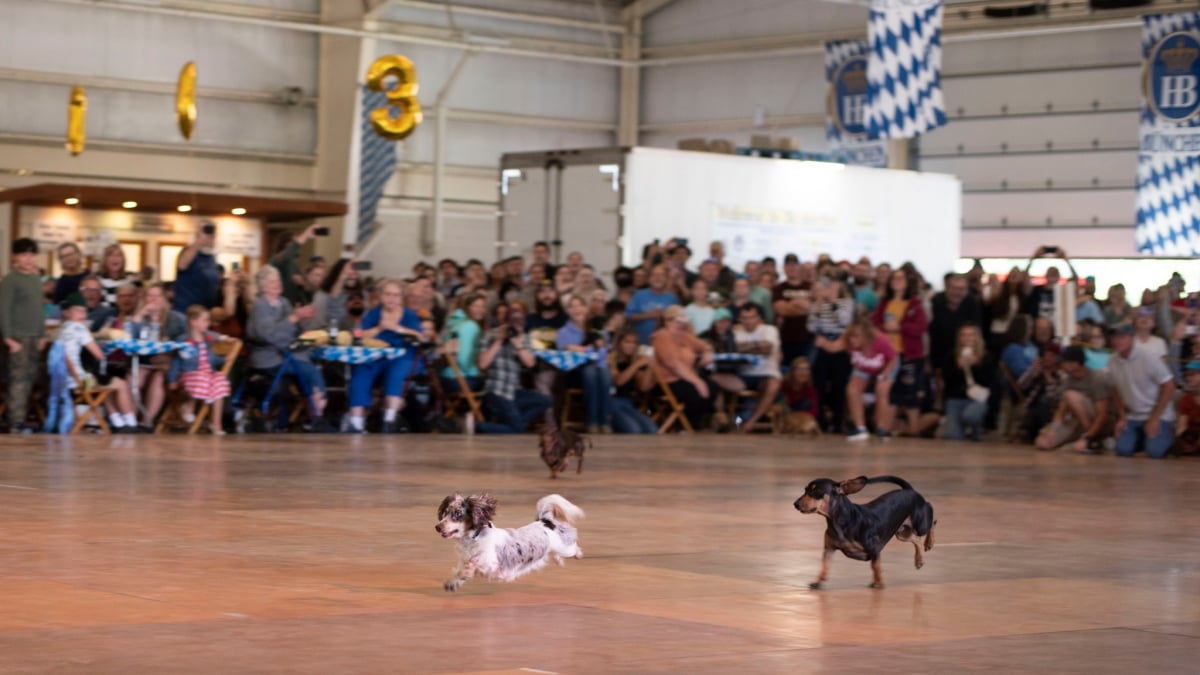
(557, 509)
(890, 479)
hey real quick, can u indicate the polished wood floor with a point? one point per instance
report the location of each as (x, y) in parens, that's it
(317, 554)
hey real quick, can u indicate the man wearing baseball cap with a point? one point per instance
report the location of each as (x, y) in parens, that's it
(1083, 408)
(1143, 389)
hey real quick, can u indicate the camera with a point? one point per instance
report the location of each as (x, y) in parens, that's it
(321, 231)
(511, 332)
(209, 229)
(361, 265)
(1050, 249)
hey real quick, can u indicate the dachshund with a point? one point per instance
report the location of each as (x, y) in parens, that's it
(504, 553)
(559, 444)
(797, 423)
(861, 531)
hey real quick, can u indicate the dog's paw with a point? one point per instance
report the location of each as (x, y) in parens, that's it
(579, 554)
(876, 585)
(451, 585)
(919, 564)
(814, 586)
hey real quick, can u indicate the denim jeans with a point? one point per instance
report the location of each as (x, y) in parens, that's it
(512, 416)
(597, 386)
(1135, 431)
(963, 413)
(627, 419)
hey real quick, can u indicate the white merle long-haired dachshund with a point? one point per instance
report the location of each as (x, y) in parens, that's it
(503, 554)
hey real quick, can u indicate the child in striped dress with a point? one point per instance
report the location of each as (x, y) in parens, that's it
(200, 375)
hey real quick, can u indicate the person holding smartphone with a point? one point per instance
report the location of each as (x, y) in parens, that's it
(287, 262)
(197, 278)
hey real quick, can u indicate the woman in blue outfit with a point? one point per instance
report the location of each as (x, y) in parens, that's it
(631, 375)
(592, 377)
(398, 326)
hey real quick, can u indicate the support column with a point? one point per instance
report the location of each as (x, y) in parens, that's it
(631, 84)
(342, 66)
(898, 153)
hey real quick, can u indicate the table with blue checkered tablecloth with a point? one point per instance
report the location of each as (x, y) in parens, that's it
(566, 360)
(358, 355)
(149, 347)
(737, 357)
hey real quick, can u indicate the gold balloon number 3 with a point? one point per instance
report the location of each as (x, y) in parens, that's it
(402, 114)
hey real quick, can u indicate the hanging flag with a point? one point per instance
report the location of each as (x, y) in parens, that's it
(376, 162)
(1168, 178)
(845, 123)
(904, 71)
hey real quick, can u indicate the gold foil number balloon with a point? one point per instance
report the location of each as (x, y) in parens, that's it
(185, 100)
(402, 114)
(76, 120)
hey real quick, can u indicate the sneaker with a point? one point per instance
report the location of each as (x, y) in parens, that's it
(859, 434)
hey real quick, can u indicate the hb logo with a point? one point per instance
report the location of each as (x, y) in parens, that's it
(848, 97)
(1170, 80)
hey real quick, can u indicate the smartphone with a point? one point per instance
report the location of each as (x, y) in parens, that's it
(209, 228)
(321, 231)
(1050, 249)
(361, 265)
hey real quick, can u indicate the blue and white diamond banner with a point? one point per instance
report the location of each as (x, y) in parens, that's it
(904, 69)
(1168, 180)
(845, 106)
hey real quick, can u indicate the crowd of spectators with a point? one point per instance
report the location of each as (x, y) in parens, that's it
(866, 348)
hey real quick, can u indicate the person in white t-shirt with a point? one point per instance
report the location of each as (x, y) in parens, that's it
(1144, 337)
(76, 340)
(753, 336)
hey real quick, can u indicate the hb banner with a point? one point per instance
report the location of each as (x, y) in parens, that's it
(845, 124)
(904, 71)
(1168, 180)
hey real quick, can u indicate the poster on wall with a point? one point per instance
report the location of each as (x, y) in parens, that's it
(50, 233)
(756, 233)
(845, 106)
(1168, 174)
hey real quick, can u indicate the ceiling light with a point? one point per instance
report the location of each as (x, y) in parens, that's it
(71, 201)
(183, 208)
(239, 211)
(129, 204)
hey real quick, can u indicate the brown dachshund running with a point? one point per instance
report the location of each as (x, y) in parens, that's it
(558, 445)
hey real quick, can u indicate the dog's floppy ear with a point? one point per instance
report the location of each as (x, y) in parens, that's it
(482, 508)
(450, 499)
(849, 487)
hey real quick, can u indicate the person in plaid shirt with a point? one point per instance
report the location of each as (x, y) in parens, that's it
(505, 354)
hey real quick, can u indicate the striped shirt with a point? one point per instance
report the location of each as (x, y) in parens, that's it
(831, 319)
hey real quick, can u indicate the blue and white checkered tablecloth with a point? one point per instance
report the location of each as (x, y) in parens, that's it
(565, 360)
(735, 357)
(358, 355)
(149, 347)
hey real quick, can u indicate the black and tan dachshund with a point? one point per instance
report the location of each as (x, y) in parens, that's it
(860, 531)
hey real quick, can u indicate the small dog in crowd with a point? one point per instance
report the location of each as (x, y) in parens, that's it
(798, 423)
(861, 531)
(560, 444)
(503, 554)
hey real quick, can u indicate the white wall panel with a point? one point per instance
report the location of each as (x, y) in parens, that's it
(1091, 242)
(1038, 52)
(481, 144)
(1032, 133)
(397, 246)
(685, 21)
(1084, 207)
(782, 86)
(1021, 171)
(497, 26)
(1031, 92)
(94, 41)
(522, 86)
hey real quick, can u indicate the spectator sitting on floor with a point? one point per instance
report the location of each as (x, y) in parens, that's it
(1043, 332)
(1042, 385)
(1187, 441)
(968, 382)
(505, 354)
(1083, 408)
(754, 336)
(798, 390)
(1019, 352)
(1143, 391)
